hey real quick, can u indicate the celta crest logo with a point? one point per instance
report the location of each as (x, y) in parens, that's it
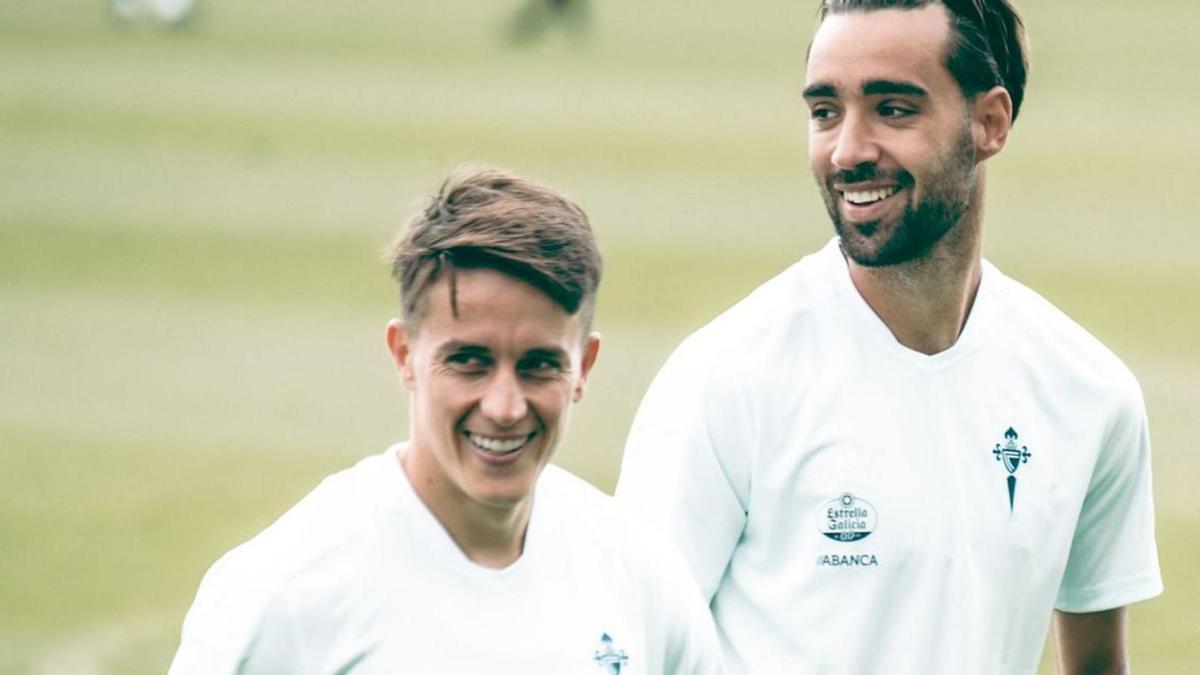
(610, 659)
(1012, 456)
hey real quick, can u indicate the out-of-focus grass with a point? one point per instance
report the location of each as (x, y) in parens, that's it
(191, 302)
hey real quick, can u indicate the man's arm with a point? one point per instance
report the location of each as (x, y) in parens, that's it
(1091, 644)
(238, 623)
(1114, 560)
(676, 474)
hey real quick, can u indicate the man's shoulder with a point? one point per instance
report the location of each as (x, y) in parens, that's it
(596, 520)
(799, 291)
(247, 584)
(589, 515)
(570, 496)
(1055, 341)
(329, 521)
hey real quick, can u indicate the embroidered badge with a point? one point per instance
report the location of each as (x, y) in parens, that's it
(610, 659)
(1012, 456)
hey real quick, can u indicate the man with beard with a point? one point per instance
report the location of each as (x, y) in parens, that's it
(892, 458)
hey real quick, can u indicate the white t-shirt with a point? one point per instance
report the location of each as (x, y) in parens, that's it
(359, 577)
(845, 501)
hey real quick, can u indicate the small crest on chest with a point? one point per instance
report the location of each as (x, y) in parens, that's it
(1011, 455)
(610, 659)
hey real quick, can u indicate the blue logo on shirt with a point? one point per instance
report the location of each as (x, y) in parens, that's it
(1012, 456)
(609, 658)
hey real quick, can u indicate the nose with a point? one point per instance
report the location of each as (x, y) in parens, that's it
(503, 401)
(855, 144)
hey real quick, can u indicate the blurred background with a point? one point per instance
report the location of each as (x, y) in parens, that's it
(193, 199)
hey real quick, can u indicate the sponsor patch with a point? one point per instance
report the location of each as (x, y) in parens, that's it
(847, 518)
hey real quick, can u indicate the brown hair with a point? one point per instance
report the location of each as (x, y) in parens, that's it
(491, 218)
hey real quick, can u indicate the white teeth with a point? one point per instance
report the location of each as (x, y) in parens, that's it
(861, 198)
(497, 445)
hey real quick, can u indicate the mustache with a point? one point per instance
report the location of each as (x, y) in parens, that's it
(864, 173)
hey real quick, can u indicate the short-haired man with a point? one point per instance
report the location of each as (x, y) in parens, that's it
(892, 458)
(462, 550)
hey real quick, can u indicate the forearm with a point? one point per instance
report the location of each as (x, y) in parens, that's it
(1091, 644)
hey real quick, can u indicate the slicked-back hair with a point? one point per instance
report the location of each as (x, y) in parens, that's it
(490, 218)
(987, 48)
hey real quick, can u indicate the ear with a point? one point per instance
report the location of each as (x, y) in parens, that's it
(991, 120)
(591, 349)
(400, 346)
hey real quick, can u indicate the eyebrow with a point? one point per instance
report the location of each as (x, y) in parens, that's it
(456, 347)
(547, 353)
(820, 90)
(877, 87)
(870, 88)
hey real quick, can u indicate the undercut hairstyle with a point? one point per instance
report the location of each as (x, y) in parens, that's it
(489, 218)
(988, 47)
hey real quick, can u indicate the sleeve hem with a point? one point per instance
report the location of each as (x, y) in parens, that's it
(1111, 595)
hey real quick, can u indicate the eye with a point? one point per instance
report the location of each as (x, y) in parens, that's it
(539, 366)
(822, 112)
(468, 362)
(896, 110)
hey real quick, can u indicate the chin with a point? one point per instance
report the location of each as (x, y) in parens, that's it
(504, 495)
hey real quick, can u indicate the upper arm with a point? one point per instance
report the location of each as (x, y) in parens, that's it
(1092, 643)
(238, 623)
(1113, 560)
(677, 475)
(218, 626)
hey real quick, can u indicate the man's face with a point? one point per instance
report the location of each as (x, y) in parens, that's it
(890, 139)
(491, 390)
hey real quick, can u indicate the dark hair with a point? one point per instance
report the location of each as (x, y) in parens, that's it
(490, 218)
(988, 47)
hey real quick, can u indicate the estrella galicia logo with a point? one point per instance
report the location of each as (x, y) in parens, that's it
(1012, 456)
(847, 518)
(610, 659)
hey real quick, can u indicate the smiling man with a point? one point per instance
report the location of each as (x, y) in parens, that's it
(892, 458)
(463, 550)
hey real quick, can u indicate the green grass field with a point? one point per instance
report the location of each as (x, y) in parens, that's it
(192, 303)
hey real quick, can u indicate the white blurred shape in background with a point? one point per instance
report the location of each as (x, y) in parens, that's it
(167, 12)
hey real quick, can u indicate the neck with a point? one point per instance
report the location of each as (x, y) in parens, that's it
(489, 536)
(925, 303)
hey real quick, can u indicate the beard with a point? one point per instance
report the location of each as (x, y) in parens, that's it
(947, 195)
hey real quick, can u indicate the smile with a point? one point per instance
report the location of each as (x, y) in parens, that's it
(498, 446)
(868, 197)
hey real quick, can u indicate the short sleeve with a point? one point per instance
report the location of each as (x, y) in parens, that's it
(1114, 557)
(673, 475)
(237, 624)
(278, 645)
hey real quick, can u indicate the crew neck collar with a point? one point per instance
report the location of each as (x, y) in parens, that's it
(443, 550)
(970, 338)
